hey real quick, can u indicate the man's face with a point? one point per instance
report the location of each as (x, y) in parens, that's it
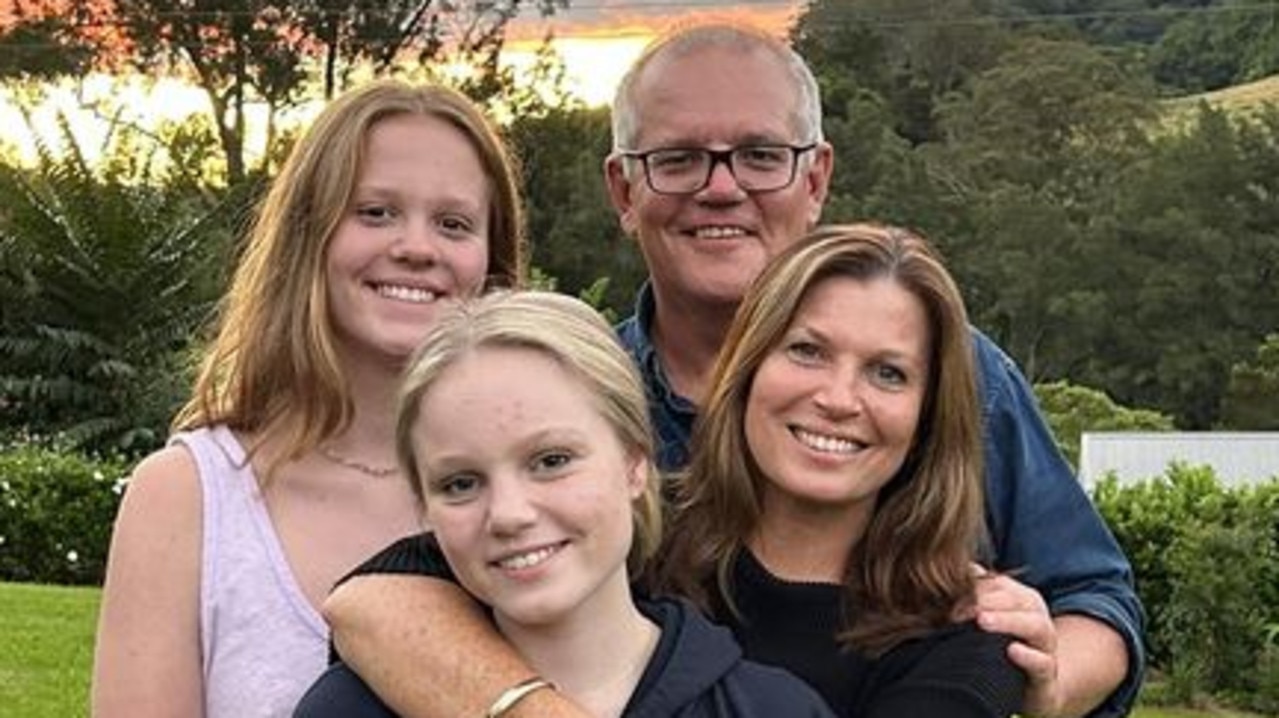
(706, 248)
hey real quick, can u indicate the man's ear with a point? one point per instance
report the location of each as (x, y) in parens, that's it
(619, 191)
(816, 178)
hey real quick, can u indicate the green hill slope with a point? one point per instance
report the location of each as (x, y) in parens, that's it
(1238, 97)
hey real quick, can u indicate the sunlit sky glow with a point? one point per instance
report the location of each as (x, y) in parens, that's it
(597, 40)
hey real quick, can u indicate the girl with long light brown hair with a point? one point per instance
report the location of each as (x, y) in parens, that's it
(281, 476)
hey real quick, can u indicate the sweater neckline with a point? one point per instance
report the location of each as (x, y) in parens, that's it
(751, 569)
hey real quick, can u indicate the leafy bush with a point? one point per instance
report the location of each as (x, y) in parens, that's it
(1206, 558)
(1268, 673)
(107, 273)
(1215, 619)
(56, 512)
(1071, 410)
(1251, 402)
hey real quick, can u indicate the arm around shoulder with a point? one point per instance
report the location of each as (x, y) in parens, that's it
(427, 649)
(1092, 663)
(1036, 506)
(147, 658)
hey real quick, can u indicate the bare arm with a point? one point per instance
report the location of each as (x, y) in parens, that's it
(428, 651)
(1073, 662)
(147, 657)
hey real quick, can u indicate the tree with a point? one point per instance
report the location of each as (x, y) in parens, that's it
(1252, 396)
(46, 39)
(1208, 51)
(106, 276)
(1034, 154)
(1200, 251)
(38, 45)
(262, 52)
(575, 234)
(1072, 410)
(911, 53)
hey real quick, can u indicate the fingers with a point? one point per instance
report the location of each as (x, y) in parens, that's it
(1039, 667)
(1004, 605)
(1043, 693)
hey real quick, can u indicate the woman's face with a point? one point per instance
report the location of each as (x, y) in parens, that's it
(528, 488)
(414, 237)
(833, 409)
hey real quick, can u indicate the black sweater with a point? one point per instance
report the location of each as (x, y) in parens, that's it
(958, 672)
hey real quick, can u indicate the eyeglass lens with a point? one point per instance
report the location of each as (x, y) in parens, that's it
(755, 167)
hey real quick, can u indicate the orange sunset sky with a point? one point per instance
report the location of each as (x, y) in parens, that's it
(597, 40)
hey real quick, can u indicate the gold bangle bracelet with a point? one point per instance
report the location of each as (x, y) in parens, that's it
(515, 694)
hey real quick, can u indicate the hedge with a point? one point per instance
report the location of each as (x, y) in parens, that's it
(1206, 558)
(56, 512)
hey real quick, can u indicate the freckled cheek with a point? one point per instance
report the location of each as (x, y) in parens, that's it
(466, 555)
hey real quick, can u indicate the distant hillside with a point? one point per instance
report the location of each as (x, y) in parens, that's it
(1238, 97)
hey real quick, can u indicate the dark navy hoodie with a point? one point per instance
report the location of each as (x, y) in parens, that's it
(696, 671)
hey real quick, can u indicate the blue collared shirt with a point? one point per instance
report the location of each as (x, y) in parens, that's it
(1040, 520)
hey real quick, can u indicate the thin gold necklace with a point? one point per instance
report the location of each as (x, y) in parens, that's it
(377, 472)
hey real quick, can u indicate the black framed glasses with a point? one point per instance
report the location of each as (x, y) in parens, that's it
(687, 170)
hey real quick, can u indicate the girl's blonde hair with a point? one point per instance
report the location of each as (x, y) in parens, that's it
(573, 334)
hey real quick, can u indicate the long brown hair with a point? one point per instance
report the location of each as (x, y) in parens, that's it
(912, 568)
(272, 367)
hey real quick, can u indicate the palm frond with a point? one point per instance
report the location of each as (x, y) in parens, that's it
(106, 278)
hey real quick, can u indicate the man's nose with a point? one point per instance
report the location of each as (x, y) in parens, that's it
(722, 181)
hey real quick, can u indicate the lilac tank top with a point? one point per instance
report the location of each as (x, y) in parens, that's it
(263, 643)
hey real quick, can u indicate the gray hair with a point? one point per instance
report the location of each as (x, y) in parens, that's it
(807, 115)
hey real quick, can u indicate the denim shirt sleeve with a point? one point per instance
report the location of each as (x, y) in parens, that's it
(1042, 523)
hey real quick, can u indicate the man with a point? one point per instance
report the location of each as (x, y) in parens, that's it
(692, 120)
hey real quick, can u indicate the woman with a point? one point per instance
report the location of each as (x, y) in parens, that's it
(832, 511)
(833, 507)
(397, 202)
(523, 429)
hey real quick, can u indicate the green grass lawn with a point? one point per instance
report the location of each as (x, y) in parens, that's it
(46, 649)
(46, 654)
(1142, 712)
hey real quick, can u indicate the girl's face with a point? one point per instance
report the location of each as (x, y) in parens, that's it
(834, 407)
(414, 237)
(528, 488)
